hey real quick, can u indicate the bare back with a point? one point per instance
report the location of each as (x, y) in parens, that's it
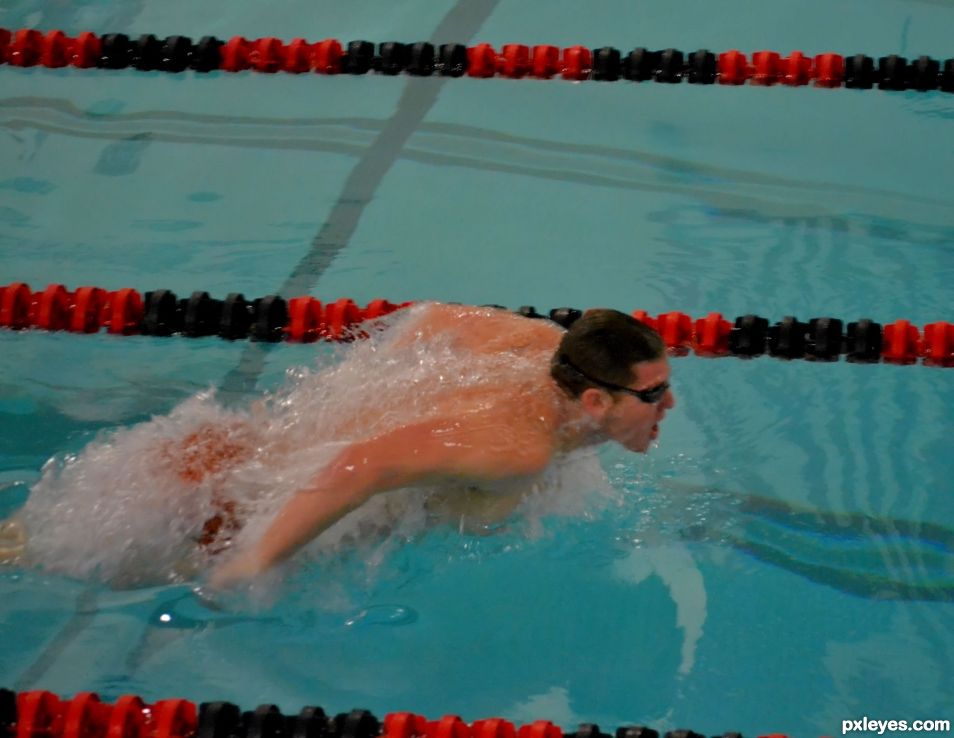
(485, 334)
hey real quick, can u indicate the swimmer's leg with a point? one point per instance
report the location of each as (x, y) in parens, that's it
(13, 541)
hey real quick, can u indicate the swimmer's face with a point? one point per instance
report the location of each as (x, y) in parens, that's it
(629, 421)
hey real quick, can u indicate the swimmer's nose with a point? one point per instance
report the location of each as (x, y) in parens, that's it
(668, 401)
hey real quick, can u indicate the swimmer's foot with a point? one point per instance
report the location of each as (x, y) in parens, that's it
(13, 540)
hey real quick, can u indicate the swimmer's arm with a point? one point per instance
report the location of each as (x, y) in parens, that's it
(411, 455)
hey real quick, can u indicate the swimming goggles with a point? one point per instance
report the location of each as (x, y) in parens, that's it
(650, 395)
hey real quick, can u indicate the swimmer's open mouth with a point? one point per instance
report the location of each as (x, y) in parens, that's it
(655, 431)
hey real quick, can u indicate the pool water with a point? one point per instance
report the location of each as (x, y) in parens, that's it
(783, 561)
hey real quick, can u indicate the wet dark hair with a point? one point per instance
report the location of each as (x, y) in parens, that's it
(604, 344)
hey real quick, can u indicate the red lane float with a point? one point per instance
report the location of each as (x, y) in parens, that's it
(493, 728)
(643, 317)
(235, 55)
(540, 729)
(545, 61)
(44, 715)
(380, 308)
(85, 717)
(577, 63)
(676, 331)
(939, 344)
(766, 67)
(404, 725)
(482, 61)
(733, 68)
(515, 61)
(26, 48)
(128, 719)
(711, 335)
(796, 69)
(298, 57)
(39, 715)
(122, 312)
(85, 50)
(449, 726)
(340, 318)
(267, 55)
(174, 719)
(901, 343)
(326, 56)
(87, 309)
(305, 319)
(15, 302)
(55, 50)
(52, 308)
(829, 70)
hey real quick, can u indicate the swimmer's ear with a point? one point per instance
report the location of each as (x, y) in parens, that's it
(595, 402)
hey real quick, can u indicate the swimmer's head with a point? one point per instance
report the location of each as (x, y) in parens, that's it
(615, 367)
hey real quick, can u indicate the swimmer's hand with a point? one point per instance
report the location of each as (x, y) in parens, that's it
(236, 571)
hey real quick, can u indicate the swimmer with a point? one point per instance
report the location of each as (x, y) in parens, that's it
(604, 379)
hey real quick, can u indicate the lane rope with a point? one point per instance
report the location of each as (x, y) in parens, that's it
(305, 319)
(29, 47)
(41, 714)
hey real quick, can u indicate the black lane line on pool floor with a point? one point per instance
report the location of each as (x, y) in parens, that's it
(463, 21)
(83, 615)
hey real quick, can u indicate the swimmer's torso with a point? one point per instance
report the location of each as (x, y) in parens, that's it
(473, 508)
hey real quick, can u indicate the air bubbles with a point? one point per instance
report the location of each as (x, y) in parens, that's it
(392, 615)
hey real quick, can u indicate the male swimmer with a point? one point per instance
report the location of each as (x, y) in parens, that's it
(606, 378)
(469, 405)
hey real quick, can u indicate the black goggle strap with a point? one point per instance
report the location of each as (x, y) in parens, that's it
(650, 396)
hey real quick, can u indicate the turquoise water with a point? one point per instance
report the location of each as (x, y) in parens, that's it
(783, 561)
